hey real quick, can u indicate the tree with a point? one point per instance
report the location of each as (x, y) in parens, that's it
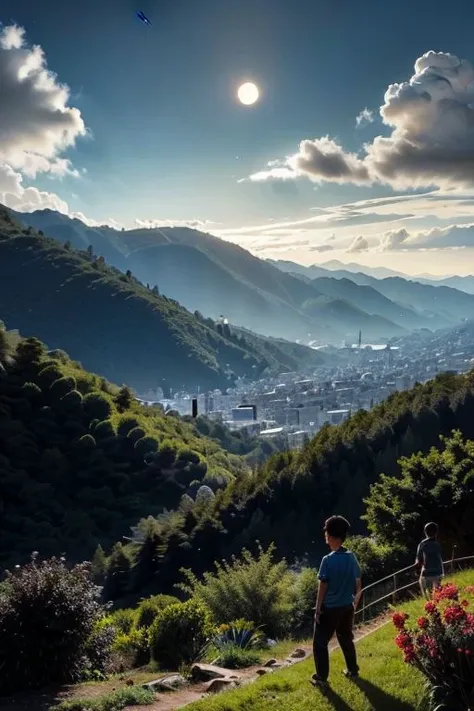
(124, 398)
(118, 574)
(99, 565)
(90, 251)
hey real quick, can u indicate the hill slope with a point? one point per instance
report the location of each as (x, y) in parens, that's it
(81, 461)
(294, 492)
(118, 327)
(209, 274)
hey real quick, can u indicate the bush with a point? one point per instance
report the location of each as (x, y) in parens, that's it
(376, 559)
(132, 648)
(48, 615)
(442, 647)
(304, 599)
(124, 620)
(247, 587)
(98, 649)
(97, 406)
(239, 633)
(231, 656)
(149, 609)
(180, 633)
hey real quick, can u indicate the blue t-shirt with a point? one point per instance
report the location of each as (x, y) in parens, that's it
(340, 570)
(430, 556)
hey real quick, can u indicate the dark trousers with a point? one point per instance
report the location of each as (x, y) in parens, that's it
(339, 620)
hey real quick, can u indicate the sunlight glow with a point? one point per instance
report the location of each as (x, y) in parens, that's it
(248, 93)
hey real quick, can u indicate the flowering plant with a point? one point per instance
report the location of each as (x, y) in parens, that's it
(441, 646)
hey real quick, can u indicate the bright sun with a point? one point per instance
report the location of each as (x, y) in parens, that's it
(248, 93)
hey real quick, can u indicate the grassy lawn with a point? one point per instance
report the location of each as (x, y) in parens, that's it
(386, 684)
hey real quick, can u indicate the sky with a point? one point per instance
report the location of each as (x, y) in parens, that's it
(361, 147)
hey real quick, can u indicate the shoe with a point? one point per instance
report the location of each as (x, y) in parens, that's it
(350, 675)
(317, 681)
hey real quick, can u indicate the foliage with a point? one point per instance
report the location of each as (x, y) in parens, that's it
(239, 633)
(124, 620)
(179, 634)
(437, 487)
(376, 559)
(48, 615)
(115, 701)
(304, 600)
(232, 656)
(441, 646)
(149, 609)
(132, 648)
(71, 477)
(252, 586)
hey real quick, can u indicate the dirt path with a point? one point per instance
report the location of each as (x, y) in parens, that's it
(179, 699)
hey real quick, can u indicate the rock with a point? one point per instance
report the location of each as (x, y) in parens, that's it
(206, 672)
(130, 682)
(270, 663)
(217, 685)
(166, 683)
(262, 672)
(298, 654)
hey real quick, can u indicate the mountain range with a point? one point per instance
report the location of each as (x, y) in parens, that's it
(118, 327)
(215, 277)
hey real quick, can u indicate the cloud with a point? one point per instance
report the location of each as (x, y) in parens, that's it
(36, 123)
(431, 117)
(13, 194)
(360, 244)
(322, 248)
(452, 237)
(192, 224)
(364, 117)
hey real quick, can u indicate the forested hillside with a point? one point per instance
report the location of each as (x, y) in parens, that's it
(81, 461)
(136, 336)
(294, 492)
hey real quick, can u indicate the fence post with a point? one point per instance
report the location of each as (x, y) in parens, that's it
(363, 607)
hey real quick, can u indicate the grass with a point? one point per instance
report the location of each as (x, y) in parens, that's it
(386, 683)
(115, 701)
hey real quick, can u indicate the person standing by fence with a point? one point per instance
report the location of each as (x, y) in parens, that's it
(429, 558)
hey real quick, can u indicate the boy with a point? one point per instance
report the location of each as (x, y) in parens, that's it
(429, 558)
(338, 596)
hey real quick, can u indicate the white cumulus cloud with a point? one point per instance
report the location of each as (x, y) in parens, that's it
(431, 144)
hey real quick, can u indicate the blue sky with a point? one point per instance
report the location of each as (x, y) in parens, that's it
(167, 139)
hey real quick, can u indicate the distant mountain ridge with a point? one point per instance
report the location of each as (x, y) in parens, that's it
(119, 328)
(215, 277)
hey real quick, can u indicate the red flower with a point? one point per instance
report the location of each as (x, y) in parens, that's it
(430, 608)
(423, 623)
(403, 640)
(454, 614)
(465, 603)
(399, 619)
(446, 592)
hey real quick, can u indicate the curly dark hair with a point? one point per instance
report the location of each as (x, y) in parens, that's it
(337, 527)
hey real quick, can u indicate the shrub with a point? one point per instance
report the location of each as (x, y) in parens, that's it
(239, 633)
(47, 617)
(304, 599)
(97, 406)
(231, 656)
(149, 609)
(132, 648)
(250, 586)
(124, 620)
(99, 648)
(180, 633)
(441, 647)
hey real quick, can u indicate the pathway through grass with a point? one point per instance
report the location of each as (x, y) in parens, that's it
(386, 683)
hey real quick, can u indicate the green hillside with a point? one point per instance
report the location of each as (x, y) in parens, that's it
(119, 328)
(81, 461)
(294, 492)
(214, 276)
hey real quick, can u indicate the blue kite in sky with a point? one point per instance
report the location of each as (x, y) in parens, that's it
(142, 17)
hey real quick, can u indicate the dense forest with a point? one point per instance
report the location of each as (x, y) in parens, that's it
(137, 336)
(81, 461)
(287, 502)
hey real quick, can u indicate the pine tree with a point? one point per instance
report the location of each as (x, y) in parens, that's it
(99, 566)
